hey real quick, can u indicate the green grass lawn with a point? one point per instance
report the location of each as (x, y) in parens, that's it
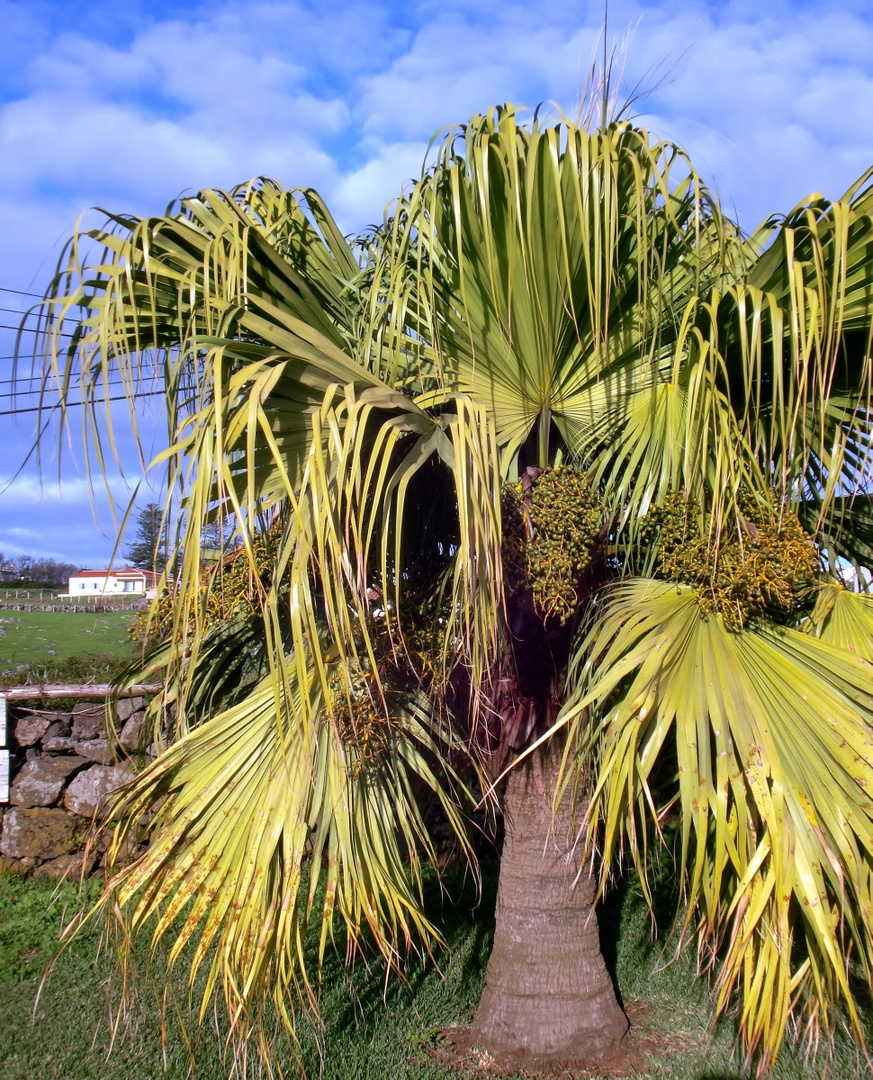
(365, 1035)
(51, 638)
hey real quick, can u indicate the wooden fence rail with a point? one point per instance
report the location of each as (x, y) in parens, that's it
(75, 690)
(54, 690)
(89, 609)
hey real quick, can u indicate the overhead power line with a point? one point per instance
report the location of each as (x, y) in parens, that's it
(73, 404)
(20, 292)
(29, 311)
(29, 329)
(37, 377)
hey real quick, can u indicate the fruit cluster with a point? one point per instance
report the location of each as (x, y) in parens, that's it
(229, 590)
(764, 565)
(235, 583)
(551, 522)
(362, 720)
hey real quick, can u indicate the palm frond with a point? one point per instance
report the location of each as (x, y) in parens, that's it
(845, 526)
(795, 334)
(554, 267)
(844, 619)
(262, 810)
(765, 735)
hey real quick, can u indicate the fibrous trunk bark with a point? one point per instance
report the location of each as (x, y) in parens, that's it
(548, 995)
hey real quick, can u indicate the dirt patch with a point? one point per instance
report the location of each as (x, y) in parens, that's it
(640, 1049)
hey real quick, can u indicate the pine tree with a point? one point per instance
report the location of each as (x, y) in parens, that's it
(214, 535)
(147, 550)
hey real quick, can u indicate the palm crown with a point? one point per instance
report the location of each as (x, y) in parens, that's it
(554, 456)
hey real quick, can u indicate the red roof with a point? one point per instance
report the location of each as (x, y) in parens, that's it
(121, 572)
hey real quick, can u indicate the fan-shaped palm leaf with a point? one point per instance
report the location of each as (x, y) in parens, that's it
(244, 798)
(558, 269)
(250, 311)
(769, 733)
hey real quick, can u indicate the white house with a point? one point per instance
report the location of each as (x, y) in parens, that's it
(126, 580)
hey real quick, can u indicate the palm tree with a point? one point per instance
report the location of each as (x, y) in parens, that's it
(554, 473)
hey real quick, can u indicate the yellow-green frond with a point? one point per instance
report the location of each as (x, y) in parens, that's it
(270, 817)
(765, 735)
(553, 267)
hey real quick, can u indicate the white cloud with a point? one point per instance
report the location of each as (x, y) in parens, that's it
(181, 108)
(454, 69)
(772, 101)
(47, 491)
(768, 99)
(105, 150)
(360, 197)
(43, 519)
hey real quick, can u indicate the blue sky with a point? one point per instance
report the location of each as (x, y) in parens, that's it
(128, 106)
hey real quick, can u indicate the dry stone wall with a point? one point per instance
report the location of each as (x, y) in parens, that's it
(63, 769)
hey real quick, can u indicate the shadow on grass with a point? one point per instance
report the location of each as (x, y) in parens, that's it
(436, 993)
(369, 1030)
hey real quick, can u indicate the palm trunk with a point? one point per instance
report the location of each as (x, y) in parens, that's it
(548, 995)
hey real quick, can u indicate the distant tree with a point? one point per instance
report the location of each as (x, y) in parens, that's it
(51, 572)
(147, 550)
(214, 535)
(27, 570)
(22, 567)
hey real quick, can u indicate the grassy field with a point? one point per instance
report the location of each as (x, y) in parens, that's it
(35, 638)
(364, 1036)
